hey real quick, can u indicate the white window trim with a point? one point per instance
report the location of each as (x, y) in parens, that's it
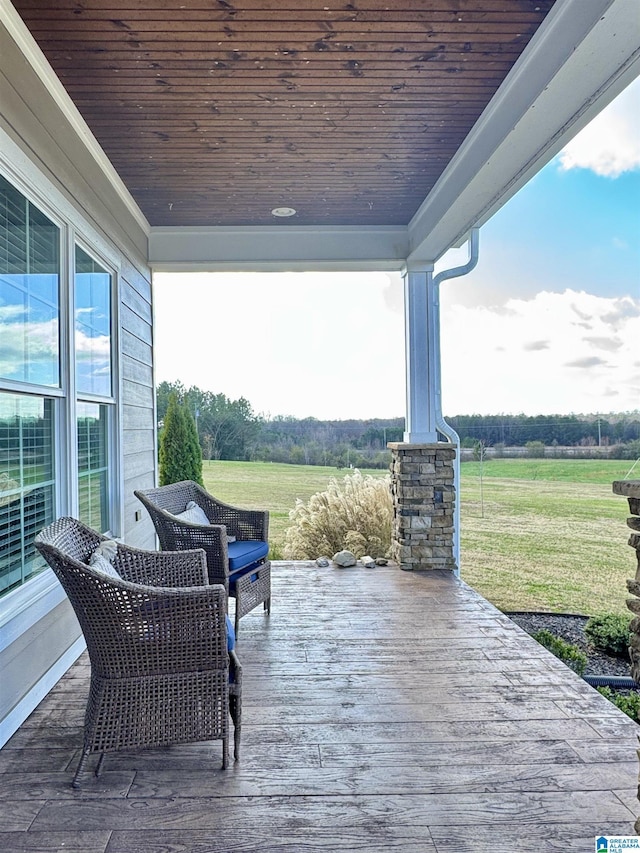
(24, 606)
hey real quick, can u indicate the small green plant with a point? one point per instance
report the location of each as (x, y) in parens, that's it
(355, 513)
(609, 633)
(627, 702)
(566, 652)
(275, 552)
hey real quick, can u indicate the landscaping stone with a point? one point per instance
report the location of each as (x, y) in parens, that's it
(344, 559)
(322, 562)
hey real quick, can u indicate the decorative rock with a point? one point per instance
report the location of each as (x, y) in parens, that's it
(368, 562)
(344, 559)
(323, 562)
(627, 488)
(382, 561)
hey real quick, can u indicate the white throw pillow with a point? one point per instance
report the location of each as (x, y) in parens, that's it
(101, 558)
(196, 515)
(193, 513)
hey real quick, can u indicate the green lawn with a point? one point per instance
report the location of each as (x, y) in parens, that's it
(548, 535)
(553, 535)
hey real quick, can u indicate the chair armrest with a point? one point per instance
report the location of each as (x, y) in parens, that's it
(162, 568)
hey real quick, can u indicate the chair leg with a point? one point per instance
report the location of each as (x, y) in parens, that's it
(99, 765)
(225, 752)
(236, 716)
(236, 624)
(81, 765)
(267, 606)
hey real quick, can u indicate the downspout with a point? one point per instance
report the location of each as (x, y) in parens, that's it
(442, 426)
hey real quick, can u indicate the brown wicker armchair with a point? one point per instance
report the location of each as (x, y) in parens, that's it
(235, 541)
(161, 669)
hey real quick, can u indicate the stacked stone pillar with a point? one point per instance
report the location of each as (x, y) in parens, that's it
(630, 489)
(422, 487)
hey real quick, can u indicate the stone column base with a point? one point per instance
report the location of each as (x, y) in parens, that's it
(422, 487)
(630, 489)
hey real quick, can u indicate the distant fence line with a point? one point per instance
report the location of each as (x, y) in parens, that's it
(469, 454)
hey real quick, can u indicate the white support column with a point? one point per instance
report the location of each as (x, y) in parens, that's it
(422, 355)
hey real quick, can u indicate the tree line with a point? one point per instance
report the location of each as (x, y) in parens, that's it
(230, 429)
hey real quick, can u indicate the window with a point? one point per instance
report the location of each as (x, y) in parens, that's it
(93, 379)
(93, 326)
(30, 355)
(27, 483)
(50, 437)
(93, 497)
(29, 291)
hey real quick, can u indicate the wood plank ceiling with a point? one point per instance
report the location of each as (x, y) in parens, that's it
(214, 112)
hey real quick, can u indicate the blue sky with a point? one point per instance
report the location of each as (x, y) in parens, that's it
(547, 323)
(571, 226)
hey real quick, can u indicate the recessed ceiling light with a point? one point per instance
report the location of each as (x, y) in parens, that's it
(283, 211)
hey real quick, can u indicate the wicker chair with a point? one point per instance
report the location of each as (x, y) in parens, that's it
(240, 565)
(161, 672)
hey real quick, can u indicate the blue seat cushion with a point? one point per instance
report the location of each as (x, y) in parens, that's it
(231, 635)
(247, 553)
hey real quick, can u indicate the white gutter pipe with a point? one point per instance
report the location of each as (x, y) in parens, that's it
(442, 426)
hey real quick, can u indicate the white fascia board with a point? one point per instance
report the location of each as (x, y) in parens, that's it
(583, 55)
(277, 248)
(28, 46)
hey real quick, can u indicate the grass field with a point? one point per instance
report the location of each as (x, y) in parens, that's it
(553, 536)
(547, 535)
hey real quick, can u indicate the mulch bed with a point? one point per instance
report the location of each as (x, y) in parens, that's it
(570, 627)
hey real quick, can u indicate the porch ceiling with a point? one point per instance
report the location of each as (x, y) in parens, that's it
(214, 113)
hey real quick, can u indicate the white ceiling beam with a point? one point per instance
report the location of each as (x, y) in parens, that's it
(279, 248)
(583, 55)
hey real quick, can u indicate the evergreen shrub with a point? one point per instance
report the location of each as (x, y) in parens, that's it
(627, 702)
(609, 633)
(566, 652)
(180, 456)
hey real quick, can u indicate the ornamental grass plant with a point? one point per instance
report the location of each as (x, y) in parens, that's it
(355, 513)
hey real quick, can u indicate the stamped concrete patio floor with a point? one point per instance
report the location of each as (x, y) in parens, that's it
(382, 710)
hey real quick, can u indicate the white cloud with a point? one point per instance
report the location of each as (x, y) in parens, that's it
(610, 144)
(490, 366)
